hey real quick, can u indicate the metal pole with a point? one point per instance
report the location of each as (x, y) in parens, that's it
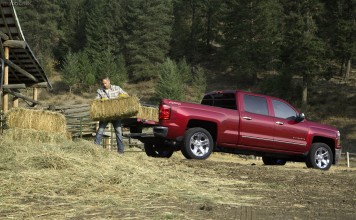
(348, 159)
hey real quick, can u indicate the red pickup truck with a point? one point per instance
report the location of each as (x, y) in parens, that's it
(243, 123)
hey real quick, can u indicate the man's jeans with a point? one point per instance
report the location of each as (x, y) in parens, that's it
(117, 127)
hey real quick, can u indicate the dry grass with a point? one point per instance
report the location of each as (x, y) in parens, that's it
(82, 181)
(78, 179)
(106, 110)
(36, 119)
(35, 136)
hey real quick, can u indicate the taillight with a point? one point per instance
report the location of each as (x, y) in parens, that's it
(164, 112)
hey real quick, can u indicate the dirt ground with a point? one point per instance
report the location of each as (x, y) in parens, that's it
(249, 190)
(289, 192)
(263, 192)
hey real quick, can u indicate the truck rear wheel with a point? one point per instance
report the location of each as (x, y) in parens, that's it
(319, 157)
(197, 144)
(153, 150)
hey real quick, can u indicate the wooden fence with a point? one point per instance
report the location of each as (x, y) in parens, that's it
(348, 157)
(80, 125)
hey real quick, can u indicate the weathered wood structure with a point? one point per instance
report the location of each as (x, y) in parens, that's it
(19, 67)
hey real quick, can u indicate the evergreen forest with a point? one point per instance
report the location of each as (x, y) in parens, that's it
(182, 42)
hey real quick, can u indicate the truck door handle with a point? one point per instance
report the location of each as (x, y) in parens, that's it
(247, 118)
(279, 123)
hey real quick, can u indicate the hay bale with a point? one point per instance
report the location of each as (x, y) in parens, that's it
(34, 136)
(40, 120)
(148, 113)
(106, 110)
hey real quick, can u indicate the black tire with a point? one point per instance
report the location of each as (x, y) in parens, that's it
(153, 150)
(197, 144)
(135, 129)
(319, 157)
(308, 163)
(273, 161)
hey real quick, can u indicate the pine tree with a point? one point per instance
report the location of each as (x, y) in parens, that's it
(170, 84)
(103, 28)
(303, 50)
(70, 70)
(339, 31)
(113, 67)
(199, 83)
(148, 27)
(251, 36)
(195, 28)
(40, 23)
(87, 71)
(72, 24)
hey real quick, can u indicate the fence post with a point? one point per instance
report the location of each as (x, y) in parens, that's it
(81, 129)
(348, 159)
(111, 134)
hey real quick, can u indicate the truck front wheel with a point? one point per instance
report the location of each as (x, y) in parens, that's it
(319, 157)
(197, 144)
(153, 150)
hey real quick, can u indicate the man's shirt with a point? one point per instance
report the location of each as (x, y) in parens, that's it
(112, 93)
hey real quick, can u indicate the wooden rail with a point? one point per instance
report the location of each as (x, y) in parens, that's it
(80, 125)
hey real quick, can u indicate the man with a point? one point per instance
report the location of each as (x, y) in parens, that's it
(108, 91)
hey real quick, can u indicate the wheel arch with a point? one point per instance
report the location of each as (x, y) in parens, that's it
(328, 141)
(210, 126)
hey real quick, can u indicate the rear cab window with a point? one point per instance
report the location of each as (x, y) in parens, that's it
(256, 104)
(222, 100)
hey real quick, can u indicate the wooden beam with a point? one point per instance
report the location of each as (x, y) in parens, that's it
(40, 85)
(14, 86)
(3, 36)
(5, 107)
(20, 70)
(19, 95)
(35, 93)
(15, 44)
(15, 102)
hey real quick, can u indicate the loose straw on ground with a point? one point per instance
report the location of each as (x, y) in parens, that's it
(35, 136)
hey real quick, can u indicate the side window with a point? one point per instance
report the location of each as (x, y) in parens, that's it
(256, 104)
(222, 100)
(282, 110)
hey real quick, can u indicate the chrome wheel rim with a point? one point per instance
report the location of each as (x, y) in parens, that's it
(322, 157)
(199, 144)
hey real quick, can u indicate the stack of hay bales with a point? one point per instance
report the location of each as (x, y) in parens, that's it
(35, 125)
(148, 113)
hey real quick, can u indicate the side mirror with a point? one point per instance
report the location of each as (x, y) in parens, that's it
(300, 117)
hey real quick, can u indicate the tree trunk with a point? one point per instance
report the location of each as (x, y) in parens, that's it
(192, 32)
(341, 72)
(348, 70)
(305, 94)
(208, 30)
